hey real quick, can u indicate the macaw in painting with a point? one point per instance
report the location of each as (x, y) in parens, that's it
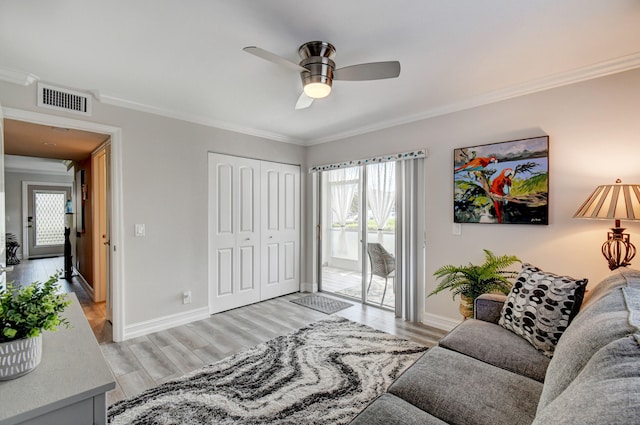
(477, 164)
(501, 186)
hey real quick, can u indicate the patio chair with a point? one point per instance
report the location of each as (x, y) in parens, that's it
(383, 264)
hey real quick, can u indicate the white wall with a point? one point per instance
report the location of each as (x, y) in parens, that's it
(594, 132)
(165, 187)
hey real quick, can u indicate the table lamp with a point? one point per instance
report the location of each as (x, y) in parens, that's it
(614, 202)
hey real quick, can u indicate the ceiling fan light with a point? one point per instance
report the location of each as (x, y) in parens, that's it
(317, 90)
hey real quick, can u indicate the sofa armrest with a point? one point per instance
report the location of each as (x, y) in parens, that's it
(487, 307)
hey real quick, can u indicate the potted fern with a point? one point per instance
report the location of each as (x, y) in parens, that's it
(471, 281)
(25, 312)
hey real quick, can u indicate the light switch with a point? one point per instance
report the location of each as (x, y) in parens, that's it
(139, 230)
(456, 229)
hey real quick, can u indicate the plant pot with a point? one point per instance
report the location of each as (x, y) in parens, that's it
(19, 357)
(466, 307)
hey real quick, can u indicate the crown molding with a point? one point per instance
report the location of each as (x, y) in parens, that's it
(601, 69)
(17, 77)
(196, 119)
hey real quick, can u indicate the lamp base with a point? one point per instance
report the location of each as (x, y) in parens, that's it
(618, 249)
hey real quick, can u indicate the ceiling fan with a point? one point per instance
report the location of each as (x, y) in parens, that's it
(318, 70)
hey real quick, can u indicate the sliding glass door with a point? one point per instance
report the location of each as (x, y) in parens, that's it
(358, 233)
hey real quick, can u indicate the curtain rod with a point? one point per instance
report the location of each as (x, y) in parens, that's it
(420, 153)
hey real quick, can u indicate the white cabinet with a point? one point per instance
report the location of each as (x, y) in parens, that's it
(69, 386)
(254, 231)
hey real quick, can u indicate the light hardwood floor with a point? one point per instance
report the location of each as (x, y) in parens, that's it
(39, 270)
(150, 360)
(147, 361)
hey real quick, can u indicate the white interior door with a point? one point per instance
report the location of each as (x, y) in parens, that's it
(3, 256)
(234, 232)
(101, 238)
(109, 300)
(280, 188)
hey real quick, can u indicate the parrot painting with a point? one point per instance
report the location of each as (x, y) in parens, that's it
(477, 164)
(501, 186)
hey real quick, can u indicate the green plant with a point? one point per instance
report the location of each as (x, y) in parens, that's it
(27, 311)
(474, 280)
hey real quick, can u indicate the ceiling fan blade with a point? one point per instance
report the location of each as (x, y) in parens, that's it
(272, 57)
(304, 101)
(368, 71)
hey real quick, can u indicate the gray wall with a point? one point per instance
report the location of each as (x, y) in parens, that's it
(593, 129)
(165, 187)
(594, 133)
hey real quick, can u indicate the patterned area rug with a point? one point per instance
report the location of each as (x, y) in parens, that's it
(323, 304)
(324, 373)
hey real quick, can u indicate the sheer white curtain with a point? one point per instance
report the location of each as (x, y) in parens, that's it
(344, 185)
(381, 193)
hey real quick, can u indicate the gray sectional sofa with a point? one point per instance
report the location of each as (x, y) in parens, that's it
(482, 373)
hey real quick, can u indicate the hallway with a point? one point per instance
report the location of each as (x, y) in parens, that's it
(41, 269)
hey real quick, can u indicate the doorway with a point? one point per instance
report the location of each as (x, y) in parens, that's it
(61, 129)
(358, 245)
(43, 218)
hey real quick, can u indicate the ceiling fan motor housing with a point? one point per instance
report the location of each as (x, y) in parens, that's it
(317, 58)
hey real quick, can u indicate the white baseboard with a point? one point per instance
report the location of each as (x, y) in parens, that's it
(308, 287)
(439, 322)
(166, 322)
(83, 282)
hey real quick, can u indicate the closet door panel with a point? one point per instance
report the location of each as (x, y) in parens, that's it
(290, 199)
(225, 272)
(234, 232)
(272, 200)
(272, 264)
(246, 198)
(289, 261)
(224, 224)
(247, 262)
(281, 229)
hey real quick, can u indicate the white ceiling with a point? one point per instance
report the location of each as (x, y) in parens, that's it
(184, 58)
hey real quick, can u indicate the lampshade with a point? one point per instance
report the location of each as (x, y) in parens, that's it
(317, 90)
(612, 202)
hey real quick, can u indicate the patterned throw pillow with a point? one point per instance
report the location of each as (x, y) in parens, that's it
(541, 305)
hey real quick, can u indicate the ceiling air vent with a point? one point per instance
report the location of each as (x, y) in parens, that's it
(63, 99)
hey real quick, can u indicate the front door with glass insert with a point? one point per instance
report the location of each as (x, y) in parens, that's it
(45, 219)
(358, 242)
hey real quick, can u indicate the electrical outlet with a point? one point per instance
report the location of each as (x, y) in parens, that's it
(186, 297)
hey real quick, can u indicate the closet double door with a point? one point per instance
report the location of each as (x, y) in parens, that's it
(254, 231)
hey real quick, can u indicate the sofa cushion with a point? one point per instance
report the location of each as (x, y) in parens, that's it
(612, 313)
(607, 390)
(541, 305)
(497, 346)
(391, 410)
(622, 277)
(461, 390)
